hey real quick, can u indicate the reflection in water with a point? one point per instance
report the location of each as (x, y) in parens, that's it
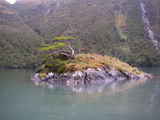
(20, 99)
(154, 100)
(155, 93)
(94, 91)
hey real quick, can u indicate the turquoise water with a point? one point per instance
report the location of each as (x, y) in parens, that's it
(21, 99)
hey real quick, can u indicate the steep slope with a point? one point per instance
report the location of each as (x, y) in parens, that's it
(110, 27)
(17, 40)
(153, 14)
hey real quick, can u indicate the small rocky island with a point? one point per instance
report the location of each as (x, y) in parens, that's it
(83, 69)
(79, 69)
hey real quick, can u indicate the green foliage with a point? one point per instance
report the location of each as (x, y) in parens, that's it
(53, 47)
(56, 46)
(23, 31)
(18, 42)
(44, 45)
(63, 38)
(42, 75)
(60, 44)
(82, 62)
(120, 25)
(55, 65)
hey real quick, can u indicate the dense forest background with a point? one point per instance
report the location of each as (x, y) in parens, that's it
(107, 27)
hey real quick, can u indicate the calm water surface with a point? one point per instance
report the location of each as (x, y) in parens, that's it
(21, 99)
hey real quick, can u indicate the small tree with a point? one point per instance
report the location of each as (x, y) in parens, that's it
(59, 43)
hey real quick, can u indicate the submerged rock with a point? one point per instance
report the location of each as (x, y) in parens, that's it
(90, 76)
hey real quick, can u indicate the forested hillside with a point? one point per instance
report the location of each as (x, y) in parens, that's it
(107, 27)
(17, 40)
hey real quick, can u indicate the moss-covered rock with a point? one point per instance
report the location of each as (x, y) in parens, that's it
(81, 62)
(42, 75)
(86, 68)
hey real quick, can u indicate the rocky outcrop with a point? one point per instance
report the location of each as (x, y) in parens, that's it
(90, 76)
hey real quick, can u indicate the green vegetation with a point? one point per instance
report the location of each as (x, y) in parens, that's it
(56, 45)
(63, 38)
(81, 62)
(42, 75)
(97, 27)
(120, 25)
(18, 42)
(57, 59)
(53, 47)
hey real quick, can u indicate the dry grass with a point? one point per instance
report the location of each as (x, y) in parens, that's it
(84, 61)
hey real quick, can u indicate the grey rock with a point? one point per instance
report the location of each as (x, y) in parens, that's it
(90, 76)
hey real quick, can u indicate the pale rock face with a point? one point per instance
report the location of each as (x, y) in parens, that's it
(113, 72)
(50, 74)
(148, 26)
(36, 75)
(78, 74)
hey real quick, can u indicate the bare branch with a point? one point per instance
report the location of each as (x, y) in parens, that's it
(72, 51)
